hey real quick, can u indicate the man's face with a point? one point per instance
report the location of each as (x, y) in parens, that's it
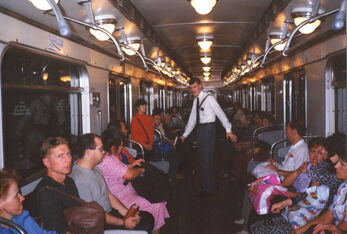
(156, 120)
(195, 88)
(141, 109)
(98, 152)
(58, 162)
(290, 133)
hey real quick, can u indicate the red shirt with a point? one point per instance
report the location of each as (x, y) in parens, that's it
(137, 132)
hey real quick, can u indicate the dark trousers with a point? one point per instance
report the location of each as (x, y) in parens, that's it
(146, 223)
(206, 135)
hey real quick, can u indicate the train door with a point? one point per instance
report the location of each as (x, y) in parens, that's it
(146, 92)
(294, 97)
(120, 99)
(41, 97)
(268, 95)
(335, 87)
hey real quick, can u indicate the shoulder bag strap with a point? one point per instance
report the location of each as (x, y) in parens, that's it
(143, 128)
(204, 100)
(61, 192)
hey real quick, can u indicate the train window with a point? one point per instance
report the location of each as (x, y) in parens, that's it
(252, 98)
(268, 95)
(294, 97)
(41, 98)
(161, 95)
(146, 91)
(169, 97)
(336, 95)
(245, 97)
(120, 99)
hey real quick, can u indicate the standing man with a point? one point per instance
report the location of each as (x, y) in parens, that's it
(203, 118)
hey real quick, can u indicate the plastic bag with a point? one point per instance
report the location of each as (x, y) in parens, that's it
(261, 170)
(263, 189)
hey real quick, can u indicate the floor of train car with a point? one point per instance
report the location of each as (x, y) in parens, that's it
(204, 215)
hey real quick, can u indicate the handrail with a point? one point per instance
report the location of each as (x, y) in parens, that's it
(154, 64)
(138, 144)
(311, 20)
(274, 145)
(13, 225)
(138, 54)
(255, 60)
(158, 132)
(64, 28)
(270, 48)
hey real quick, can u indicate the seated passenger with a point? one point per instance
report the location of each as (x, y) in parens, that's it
(11, 206)
(56, 157)
(92, 187)
(166, 148)
(116, 173)
(296, 156)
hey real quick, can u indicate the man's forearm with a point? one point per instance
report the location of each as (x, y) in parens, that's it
(113, 220)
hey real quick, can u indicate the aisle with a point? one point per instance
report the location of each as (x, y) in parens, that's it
(207, 215)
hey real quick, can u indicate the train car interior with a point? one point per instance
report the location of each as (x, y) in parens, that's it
(277, 69)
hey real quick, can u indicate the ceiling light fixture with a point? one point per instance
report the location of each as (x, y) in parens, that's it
(206, 74)
(205, 42)
(206, 59)
(301, 14)
(203, 7)
(276, 37)
(133, 43)
(206, 69)
(206, 78)
(42, 5)
(107, 22)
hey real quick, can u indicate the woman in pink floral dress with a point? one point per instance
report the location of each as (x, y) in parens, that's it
(115, 173)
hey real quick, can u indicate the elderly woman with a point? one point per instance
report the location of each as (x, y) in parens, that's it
(11, 206)
(116, 173)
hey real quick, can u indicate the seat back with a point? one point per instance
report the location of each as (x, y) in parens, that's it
(279, 150)
(135, 148)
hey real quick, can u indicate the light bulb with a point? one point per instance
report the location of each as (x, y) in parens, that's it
(130, 52)
(206, 78)
(42, 4)
(206, 74)
(206, 59)
(100, 35)
(203, 7)
(206, 69)
(45, 76)
(307, 28)
(280, 46)
(205, 44)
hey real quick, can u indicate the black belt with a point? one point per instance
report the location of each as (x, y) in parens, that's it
(203, 124)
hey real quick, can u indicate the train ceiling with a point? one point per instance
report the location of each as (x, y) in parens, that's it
(169, 29)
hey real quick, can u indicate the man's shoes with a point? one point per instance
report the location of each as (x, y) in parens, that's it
(204, 194)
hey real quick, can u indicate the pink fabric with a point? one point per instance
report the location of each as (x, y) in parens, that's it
(113, 170)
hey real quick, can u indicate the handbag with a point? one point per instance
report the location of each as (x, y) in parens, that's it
(154, 185)
(88, 218)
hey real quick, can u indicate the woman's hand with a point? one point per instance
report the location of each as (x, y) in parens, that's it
(131, 222)
(137, 163)
(276, 208)
(329, 227)
(302, 168)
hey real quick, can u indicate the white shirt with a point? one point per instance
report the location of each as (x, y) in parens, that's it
(208, 112)
(296, 155)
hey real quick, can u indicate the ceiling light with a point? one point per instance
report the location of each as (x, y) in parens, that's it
(276, 37)
(206, 69)
(206, 59)
(206, 74)
(206, 78)
(42, 4)
(301, 14)
(133, 43)
(109, 24)
(205, 42)
(203, 7)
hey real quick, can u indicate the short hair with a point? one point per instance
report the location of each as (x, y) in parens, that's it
(6, 178)
(194, 80)
(317, 141)
(51, 143)
(157, 111)
(86, 141)
(299, 126)
(337, 145)
(111, 141)
(269, 117)
(140, 102)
